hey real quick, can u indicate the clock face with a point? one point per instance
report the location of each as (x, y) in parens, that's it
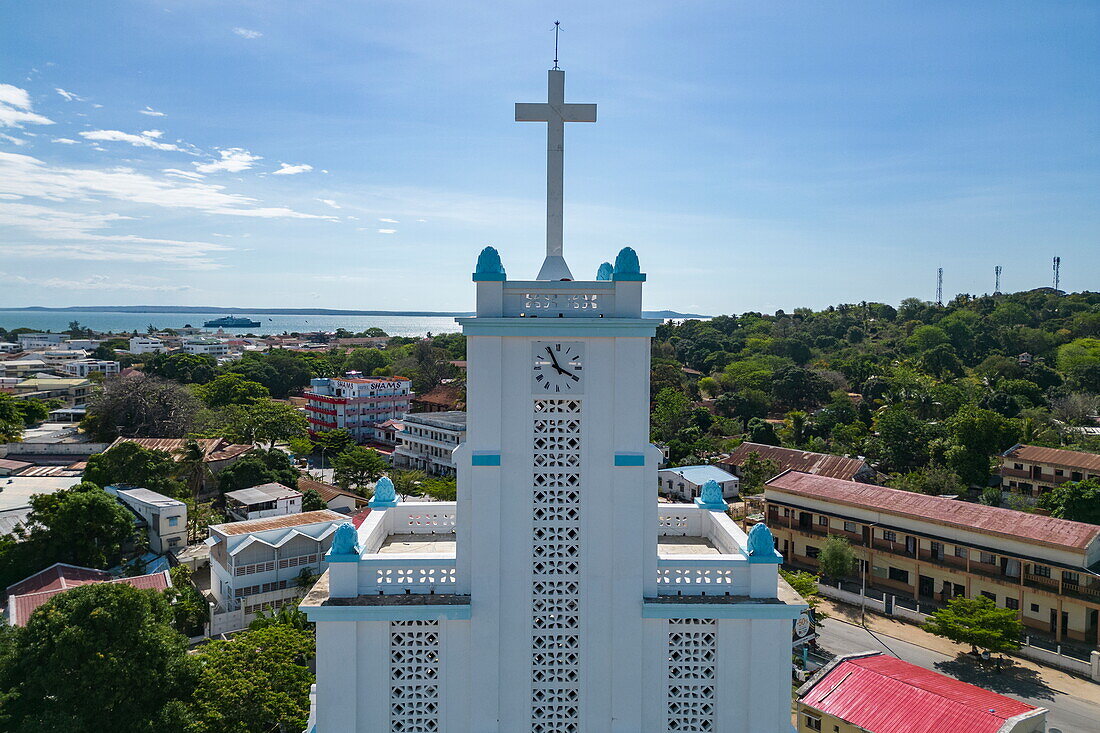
(556, 367)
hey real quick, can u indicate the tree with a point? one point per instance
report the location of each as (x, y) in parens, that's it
(11, 419)
(799, 389)
(263, 421)
(131, 464)
(258, 467)
(407, 483)
(231, 389)
(902, 441)
(181, 367)
(762, 432)
(365, 360)
(334, 441)
(979, 623)
(192, 468)
(288, 615)
(933, 480)
(301, 445)
(976, 435)
(805, 585)
(744, 404)
(755, 471)
(1078, 501)
(96, 657)
(440, 488)
(141, 406)
(836, 559)
(83, 525)
(312, 501)
(34, 411)
(671, 414)
(190, 610)
(357, 466)
(200, 516)
(258, 681)
(925, 338)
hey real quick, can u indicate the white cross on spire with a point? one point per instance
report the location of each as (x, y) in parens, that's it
(555, 112)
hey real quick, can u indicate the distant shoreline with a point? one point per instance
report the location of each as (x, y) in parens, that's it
(281, 311)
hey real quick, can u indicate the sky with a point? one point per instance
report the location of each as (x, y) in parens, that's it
(757, 155)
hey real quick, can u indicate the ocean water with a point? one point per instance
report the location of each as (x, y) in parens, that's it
(270, 323)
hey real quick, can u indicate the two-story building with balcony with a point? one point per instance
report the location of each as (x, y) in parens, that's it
(266, 500)
(84, 367)
(933, 549)
(1032, 470)
(210, 346)
(427, 440)
(357, 404)
(146, 345)
(256, 565)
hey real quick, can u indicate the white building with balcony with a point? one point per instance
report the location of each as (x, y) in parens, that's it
(265, 500)
(30, 341)
(146, 345)
(84, 367)
(357, 404)
(427, 440)
(210, 346)
(256, 565)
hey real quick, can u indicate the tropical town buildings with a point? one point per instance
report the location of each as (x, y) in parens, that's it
(685, 483)
(819, 464)
(357, 404)
(265, 500)
(1032, 470)
(85, 367)
(30, 593)
(427, 440)
(163, 519)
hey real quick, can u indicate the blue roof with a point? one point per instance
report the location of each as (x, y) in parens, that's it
(701, 474)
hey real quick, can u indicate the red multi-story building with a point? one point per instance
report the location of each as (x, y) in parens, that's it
(356, 404)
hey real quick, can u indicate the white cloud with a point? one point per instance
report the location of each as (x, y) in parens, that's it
(233, 160)
(69, 96)
(387, 231)
(13, 140)
(390, 221)
(15, 108)
(186, 175)
(66, 141)
(227, 236)
(329, 202)
(151, 112)
(290, 170)
(98, 282)
(147, 139)
(246, 33)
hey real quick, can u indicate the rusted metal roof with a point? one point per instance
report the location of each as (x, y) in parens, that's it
(991, 520)
(281, 522)
(1055, 456)
(821, 464)
(328, 492)
(882, 694)
(214, 449)
(22, 606)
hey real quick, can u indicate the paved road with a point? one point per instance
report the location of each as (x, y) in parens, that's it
(1068, 714)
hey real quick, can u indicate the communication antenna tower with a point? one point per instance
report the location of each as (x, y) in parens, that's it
(997, 286)
(939, 286)
(1057, 272)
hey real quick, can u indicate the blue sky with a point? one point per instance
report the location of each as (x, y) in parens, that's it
(757, 155)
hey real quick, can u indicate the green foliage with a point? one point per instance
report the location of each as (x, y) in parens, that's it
(744, 404)
(1078, 501)
(805, 585)
(357, 466)
(441, 488)
(334, 441)
(312, 501)
(181, 367)
(258, 467)
(365, 360)
(975, 436)
(933, 480)
(671, 414)
(755, 471)
(901, 443)
(254, 683)
(979, 623)
(231, 389)
(11, 419)
(797, 388)
(261, 421)
(99, 657)
(141, 407)
(281, 371)
(83, 525)
(836, 559)
(288, 615)
(189, 609)
(130, 464)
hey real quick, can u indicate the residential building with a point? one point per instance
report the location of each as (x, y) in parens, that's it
(30, 593)
(1032, 470)
(265, 500)
(388, 433)
(23, 368)
(933, 549)
(146, 345)
(84, 367)
(686, 482)
(872, 692)
(163, 518)
(218, 453)
(427, 441)
(804, 461)
(7, 347)
(57, 358)
(335, 498)
(85, 344)
(209, 346)
(356, 404)
(256, 564)
(30, 341)
(72, 391)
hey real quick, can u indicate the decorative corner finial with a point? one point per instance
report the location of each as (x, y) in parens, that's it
(345, 541)
(489, 267)
(762, 545)
(627, 266)
(384, 494)
(710, 497)
(605, 271)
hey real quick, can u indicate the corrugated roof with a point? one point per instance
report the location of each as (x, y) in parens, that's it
(328, 492)
(821, 464)
(882, 694)
(699, 475)
(58, 576)
(964, 515)
(1058, 456)
(281, 522)
(10, 465)
(214, 449)
(22, 606)
(264, 492)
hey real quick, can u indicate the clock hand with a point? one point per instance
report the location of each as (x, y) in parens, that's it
(555, 360)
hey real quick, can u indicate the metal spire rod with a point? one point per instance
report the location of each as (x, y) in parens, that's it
(557, 29)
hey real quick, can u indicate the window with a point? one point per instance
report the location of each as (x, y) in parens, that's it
(786, 512)
(1012, 603)
(1041, 570)
(850, 527)
(1071, 578)
(1035, 608)
(901, 576)
(990, 596)
(937, 549)
(1076, 475)
(812, 723)
(961, 552)
(1018, 466)
(823, 521)
(812, 551)
(986, 558)
(173, 541)
(889, 536)
(173, 521)
(1059, 472)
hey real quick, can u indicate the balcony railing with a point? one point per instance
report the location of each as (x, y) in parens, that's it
(1087, 591)
(401, 574)
(1041, 582)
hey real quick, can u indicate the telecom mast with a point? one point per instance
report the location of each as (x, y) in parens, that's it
(1057, 272)
(997, 286)
(939, 286)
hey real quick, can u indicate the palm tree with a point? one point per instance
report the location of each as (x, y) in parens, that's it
(192, 467)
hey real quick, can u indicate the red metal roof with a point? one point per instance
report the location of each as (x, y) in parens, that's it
(1055, 457)
(20, 607)
(58, 576)
(882, 694)
(1060, 533)
(822, 464)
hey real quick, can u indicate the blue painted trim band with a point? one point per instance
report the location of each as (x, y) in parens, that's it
(329, 557)
(489, 277)
(711, 507)
(775, 559)
(746, 610)
(382, 504)
(629, 459)
(560, 327)
(629, 276)
(485, 458)
(549, 285)
(386, 613)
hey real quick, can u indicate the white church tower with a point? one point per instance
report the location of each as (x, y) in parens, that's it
(556, 595)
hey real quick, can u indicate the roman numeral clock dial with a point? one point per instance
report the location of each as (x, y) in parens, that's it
(557, 368)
